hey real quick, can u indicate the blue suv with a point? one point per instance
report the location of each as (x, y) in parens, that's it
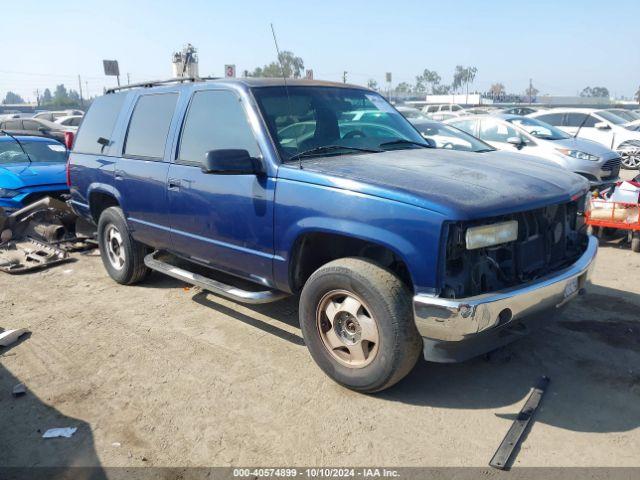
(394, 248)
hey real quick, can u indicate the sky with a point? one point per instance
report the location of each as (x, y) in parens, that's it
(563, 45)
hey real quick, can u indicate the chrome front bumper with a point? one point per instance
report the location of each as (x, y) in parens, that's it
(444, 320)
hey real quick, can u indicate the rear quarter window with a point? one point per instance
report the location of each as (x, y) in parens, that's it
(99, 122)
(149, 125)
(554, 119)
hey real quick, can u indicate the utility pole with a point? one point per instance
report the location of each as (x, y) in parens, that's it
(128, 79)
(530, 90)
(80, 91)
(344, 77)
(86, 89)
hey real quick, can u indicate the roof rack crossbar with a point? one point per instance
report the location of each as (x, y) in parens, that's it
(153, 83)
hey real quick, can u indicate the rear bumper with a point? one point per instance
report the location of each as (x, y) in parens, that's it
(457, 329)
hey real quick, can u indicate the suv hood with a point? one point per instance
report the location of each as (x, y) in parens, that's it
(20, 175)
(459, 185)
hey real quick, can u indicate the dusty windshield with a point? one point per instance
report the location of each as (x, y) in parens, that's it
(325, 121)
(31, 151)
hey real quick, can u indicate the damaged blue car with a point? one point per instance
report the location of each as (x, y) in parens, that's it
(30, 168)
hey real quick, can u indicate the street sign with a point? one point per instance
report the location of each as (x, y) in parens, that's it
(230, 71)
(388, 76)
(111, 67)
(309, 74)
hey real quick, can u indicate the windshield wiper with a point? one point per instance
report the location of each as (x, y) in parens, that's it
(404, 142)
(329, 149)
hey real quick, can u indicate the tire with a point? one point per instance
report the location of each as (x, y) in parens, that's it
(635, 242)
(630, 162)
(390, 350)
(122, 256)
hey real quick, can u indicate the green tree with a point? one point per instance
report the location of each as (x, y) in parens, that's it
(497, 90)
(46, 97)
(404, 87)
(372, 84)
(595, 92)
(441, 89)
(427, 81)
(531, 91)
(12, 98)
(463, 76)
(293, 67)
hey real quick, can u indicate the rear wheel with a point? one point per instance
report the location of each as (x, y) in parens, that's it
(122, 256)
(357, 322)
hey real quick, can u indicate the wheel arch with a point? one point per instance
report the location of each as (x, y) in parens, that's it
(315, 247)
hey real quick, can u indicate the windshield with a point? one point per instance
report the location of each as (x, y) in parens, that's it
(615, 119)
(309, 119)
(39, 152)
(539, 129)
(628, 115)
(448, 137)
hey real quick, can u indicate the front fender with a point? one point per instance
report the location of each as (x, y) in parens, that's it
(411, 232)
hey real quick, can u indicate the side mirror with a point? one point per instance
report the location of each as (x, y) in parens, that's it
(602, 126)
(230, 162)
(516, 141)
(42, 130)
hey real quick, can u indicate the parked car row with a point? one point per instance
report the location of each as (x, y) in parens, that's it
(52, 124)
(617, 129)
(602, 126)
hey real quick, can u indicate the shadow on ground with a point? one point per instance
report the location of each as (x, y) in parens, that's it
(591, 353)
(24, 419)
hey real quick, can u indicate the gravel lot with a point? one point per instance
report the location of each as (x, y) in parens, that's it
(160, 374)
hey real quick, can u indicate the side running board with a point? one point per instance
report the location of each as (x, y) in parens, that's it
(213, 286)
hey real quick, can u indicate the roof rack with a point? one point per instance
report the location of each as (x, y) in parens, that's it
(154, 83)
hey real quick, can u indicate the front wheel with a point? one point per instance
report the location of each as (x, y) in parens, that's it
(357, 322)
(122, 256)
(631, 161)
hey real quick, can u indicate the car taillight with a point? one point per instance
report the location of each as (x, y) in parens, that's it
(68, 140)
(69, 172)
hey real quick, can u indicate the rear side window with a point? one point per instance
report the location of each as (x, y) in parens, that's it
(554, 119)
(31, 125)
(12, 125)
(98, 122)
(149, 125)
(215, 120)
(579, 120)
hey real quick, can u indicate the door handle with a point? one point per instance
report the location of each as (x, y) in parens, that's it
(174, 184)
(118, 174)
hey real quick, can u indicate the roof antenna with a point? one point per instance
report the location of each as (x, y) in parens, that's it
(286, 89)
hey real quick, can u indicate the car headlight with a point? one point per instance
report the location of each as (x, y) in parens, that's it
(6, 193)
(488, 235)
(578, 154)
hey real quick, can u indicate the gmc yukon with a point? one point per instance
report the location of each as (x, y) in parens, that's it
(394, 248)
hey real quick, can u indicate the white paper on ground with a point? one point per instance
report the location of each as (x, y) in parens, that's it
(59, 432)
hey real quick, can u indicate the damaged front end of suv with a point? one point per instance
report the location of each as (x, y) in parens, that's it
(498, 271)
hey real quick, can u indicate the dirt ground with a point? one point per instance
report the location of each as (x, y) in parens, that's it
(158, 374)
